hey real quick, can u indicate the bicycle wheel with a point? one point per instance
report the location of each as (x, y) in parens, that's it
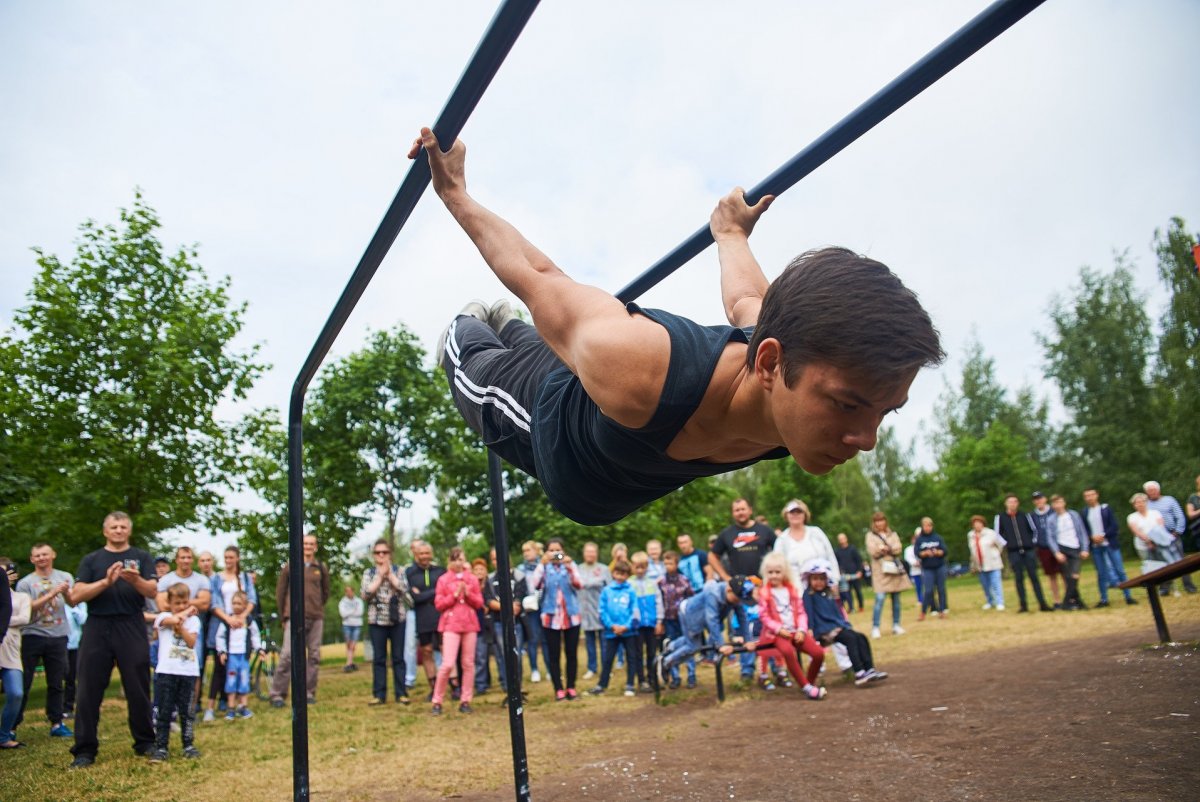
(264, 673)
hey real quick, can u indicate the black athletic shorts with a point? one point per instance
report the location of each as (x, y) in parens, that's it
(494, 380)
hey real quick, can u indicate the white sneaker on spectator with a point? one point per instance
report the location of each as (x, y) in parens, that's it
(897, 629)
(999, 606)
(535, 676)
(589, 674)
(875, 633)
(208, 715)
(987, 606)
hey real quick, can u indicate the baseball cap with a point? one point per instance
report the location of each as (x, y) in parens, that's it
(1038, 494)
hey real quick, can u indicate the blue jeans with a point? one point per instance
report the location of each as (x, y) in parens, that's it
(878, 613)
(919, 586)
(410, 649)
(591, 640)
(993, 590)
(1110, 568)
(13, 680)
(497, 647)
(629, 641)
(383, 635)
(483, 676)
(535, 641)
(675, 630)
(934, 580)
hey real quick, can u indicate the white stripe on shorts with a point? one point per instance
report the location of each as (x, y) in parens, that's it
(496, 396)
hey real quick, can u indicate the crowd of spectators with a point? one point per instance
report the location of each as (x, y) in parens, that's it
(768, 600)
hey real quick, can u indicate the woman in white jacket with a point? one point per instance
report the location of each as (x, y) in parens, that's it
(987, 561)
(802, 541)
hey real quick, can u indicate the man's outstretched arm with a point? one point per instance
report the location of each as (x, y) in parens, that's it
(620, 358)
(742, 281)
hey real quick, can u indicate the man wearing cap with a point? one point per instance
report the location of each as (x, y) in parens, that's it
(705, 612)
(1047, 530)
(1175, 521)
(1019, 533)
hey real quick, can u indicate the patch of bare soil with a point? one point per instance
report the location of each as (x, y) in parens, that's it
(1089, 719)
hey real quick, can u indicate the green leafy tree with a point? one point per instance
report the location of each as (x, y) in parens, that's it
(1178, 371)
(1098, 352)
(116, 367)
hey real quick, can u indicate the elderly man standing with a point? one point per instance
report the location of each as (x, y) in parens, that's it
(44, 638)
(422, 578)
(315, 577)
(115, 581)
(1176, 523)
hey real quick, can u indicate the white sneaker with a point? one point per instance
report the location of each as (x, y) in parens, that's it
(999, 606)
(535, 676)
(208, 715)
(987, 606)
(875, 633)
(897, 630)
(589, 675)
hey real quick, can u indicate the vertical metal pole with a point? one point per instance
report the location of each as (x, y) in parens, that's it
(300, 788)
(501, 35)
(512, 660)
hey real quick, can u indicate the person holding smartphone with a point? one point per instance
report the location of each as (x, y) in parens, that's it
(557, 576)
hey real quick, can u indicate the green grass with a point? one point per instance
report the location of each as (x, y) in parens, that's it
(361, 753)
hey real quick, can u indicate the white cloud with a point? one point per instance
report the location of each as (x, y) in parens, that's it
(273, 135)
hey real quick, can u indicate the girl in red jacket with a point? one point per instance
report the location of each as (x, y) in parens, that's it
(785, 624)
(457, 597)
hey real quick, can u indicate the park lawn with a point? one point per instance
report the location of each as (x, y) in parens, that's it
(361, 753)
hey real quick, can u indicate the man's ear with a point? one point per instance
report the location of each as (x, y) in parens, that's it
(768, 362)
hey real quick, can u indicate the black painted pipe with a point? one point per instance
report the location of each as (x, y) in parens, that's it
(501, 35)
(993, 21)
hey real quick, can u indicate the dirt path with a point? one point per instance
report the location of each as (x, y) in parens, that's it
(1083, 719)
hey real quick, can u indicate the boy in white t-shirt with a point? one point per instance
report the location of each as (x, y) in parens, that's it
(233, 652)
(175, 675)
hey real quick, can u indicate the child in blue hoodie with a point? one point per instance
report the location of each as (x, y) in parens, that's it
(829, 625)
(703, 613)
(619, 616)
(650, 617)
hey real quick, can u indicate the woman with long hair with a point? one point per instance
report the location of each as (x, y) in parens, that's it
(889, 572)
(227, 582)
(558, 578)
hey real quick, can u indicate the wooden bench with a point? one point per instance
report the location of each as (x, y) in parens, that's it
(1152, 580)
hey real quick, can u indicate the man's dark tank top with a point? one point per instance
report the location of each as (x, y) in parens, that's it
(596, 471)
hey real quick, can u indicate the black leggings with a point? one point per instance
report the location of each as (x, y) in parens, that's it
(556, 639)
(858, 647)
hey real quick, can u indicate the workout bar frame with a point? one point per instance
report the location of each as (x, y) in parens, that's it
(502, 34)
(506, 26)
(961, 45)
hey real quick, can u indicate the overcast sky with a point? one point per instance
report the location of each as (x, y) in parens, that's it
(273, 135)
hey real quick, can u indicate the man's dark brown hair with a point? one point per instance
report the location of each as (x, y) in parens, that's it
(848, 311)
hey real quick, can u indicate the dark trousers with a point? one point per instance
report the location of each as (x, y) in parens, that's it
(1026, 562)
(647, 651)
(1070, 570)
(935, 588)
(173, 696)
(52, 654)
(593, 638)
(69, 682)
(556, 639)
(105, 640)
(858, 648)
(852, 586)
(629, 641)
(381, 636)
(216, 685)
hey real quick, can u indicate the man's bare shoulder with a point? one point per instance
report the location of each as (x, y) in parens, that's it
(622, 361)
